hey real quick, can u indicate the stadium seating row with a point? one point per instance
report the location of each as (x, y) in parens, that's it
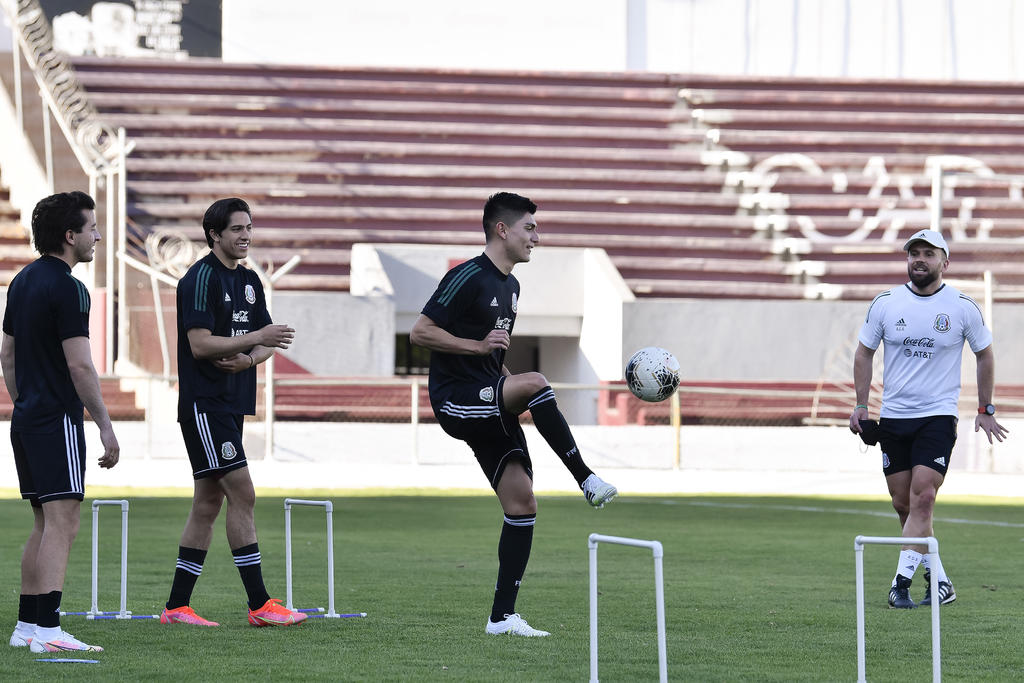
(696, 185)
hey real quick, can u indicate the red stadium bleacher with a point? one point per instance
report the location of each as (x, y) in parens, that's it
(15, 241)
(697, 186)
(120, 404)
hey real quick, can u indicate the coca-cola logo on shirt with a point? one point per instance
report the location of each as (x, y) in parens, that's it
(927, 342)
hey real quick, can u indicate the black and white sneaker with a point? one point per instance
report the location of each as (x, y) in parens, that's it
(946, 592)
(899, 595)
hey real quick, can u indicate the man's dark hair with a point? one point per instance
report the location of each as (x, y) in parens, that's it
(53, 216)
(217, 216)
(507, 208)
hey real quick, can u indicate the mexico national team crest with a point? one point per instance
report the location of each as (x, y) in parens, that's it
(942, 323)
(250, 294)
(487, 394)
(515, 303)
(228, 451)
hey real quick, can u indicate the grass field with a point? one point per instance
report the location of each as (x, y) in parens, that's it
(757, 589)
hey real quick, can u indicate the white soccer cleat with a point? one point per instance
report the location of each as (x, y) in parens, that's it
(62, 642)
(21, 638)
(514, 625)
(597, 491)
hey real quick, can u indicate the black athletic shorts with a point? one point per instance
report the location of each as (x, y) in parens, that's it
(475, 413)
(51, 465)
(214, 443)
(915, 441)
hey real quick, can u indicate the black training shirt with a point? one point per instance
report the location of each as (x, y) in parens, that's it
(473, 298)
(228, 303)
(46, 304)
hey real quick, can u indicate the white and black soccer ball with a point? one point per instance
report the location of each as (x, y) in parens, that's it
(652, 374)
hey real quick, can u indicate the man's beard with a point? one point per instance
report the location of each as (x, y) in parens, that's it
(922, 280)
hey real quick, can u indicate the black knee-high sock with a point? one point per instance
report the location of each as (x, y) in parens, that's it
(48, 609)
(513, 554)
(186, 573)
(248, 561)
(27, 607)
(555, 430)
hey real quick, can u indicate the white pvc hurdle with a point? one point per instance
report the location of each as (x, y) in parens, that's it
(329, 508)
(94, 611)
(659, 598)
(932, 554)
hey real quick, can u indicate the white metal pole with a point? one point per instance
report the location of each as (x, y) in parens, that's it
(858, 553)
(19, 107)
(111, 249)
(592, 544)
(288, 553)
(415, 400)
(676, 430)
(95, 559)
(933, 558)
(659, 601)
(47, 144)
(124, 561)
(268, 392)
(121, 246)
(330, 561)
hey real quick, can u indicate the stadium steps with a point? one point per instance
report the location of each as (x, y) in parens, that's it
(120, 404)
(15, 241)
(652, 167)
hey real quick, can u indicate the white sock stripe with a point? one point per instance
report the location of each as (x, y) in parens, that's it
(548, 395)
(190, 567)
(528, 521)
(247, 560)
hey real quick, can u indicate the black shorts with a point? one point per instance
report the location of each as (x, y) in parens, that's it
(214, 443)
(51, 465)
(914, 441)
(475, 413)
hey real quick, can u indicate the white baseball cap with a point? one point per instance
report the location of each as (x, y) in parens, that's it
(930, 237)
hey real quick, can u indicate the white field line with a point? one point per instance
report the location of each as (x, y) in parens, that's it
(820, 510)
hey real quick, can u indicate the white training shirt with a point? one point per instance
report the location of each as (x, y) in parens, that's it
(924, 339)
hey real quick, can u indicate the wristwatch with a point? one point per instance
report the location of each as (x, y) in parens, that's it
(988, 409)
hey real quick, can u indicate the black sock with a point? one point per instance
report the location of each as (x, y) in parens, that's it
(48, 609)
(186, 573)
(555, 430)
(27, 607)
(513, 554)
(247, 559)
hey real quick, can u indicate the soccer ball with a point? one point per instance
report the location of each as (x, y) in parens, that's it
(652, 374)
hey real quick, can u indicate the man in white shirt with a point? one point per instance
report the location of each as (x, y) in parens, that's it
(923, 325)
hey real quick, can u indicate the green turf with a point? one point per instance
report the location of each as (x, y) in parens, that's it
(756, 589)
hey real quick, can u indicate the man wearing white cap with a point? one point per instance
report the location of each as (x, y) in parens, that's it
(923, 325)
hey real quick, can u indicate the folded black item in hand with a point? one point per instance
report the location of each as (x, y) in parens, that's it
(869, 432)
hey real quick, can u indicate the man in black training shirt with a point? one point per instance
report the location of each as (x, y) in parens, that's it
(49, 374)
(467, 325)
(224, 332)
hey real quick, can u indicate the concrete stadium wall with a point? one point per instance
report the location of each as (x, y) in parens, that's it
(339, 334)
(828, 38)
(782, 340)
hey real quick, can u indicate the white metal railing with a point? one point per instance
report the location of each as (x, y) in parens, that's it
(99, 149)
(95, 144)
